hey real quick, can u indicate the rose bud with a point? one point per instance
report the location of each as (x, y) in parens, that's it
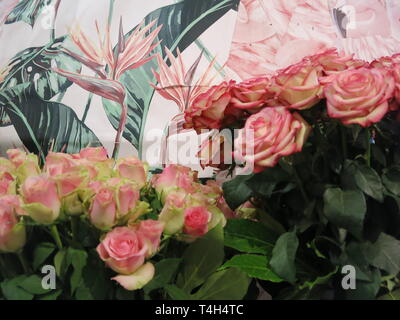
(172, 214)
(123, 250)
(134, 169)
(151, 231)
(127, 199)
(94, 154)
(196, 221)
(27, 165)
(174, 177)
(7, 184)
(103, 209)
(12, 233)
(138, 279)
(58, 163)
(42, 202)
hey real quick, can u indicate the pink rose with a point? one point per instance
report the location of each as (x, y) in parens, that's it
(207, 110)
(27, 165)
(138, 279)
(277, 133)
(6, 165)
(172, 214)
(71, 181)
(132, 168)
(123, 250)
(332, 62)
(7, 183)
(94, 154)
(58, 163)
(386, 62)
(41, 198)
(396, 74)
(12, 203)
(251, 95)
(128, 196)
(174, 176)
(196, 221)
(151, 231)
(359, 96)
(298, 86)
(12, 233)
(103, 209)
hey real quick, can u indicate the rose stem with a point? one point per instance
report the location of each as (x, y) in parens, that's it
(56, 236)
(23, 261)
(368, 141)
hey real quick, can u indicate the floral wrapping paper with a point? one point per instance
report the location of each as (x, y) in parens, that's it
(45, 103)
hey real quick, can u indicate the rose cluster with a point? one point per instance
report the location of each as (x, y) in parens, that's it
(112, 197)
(356, 92)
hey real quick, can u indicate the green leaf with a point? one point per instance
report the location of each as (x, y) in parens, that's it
(254, 266)
(43, 124)
(230, 284)
(365, 290)
(165, 271)
(78, 259)
(284, 255)
(28, 11)
(395, 295)
(369, 181)
(34, 65)
(249, 236)
(33, 284)
(345, 209)
(183, 23)
(264, 183)
(391, 180)
(385, 254)
(202, 258)
(236, 191)
(41, 253)
(319, 280)
(12, 291)
(51, 296)
(60, 262)
(176, 293)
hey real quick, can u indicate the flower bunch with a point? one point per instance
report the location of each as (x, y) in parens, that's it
(111, 197)
(356, 93)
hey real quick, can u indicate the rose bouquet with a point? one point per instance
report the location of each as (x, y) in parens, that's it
(325, 154)
(81, 220)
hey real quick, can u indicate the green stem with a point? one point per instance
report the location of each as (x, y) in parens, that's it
(300, 185)
(53, 27)
(87, 107)
(74, 227)
(23, 261)
(368, 142)
(344, 141)
(56, 236)
(110, 12)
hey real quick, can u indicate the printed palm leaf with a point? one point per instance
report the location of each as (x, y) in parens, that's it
(34, 65)
(27, 11)
(182, 24)
(44, 125)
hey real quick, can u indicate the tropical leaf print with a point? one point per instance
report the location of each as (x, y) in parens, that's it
(43, 125)
(34, 65)
(182, 24)
(27, 11)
